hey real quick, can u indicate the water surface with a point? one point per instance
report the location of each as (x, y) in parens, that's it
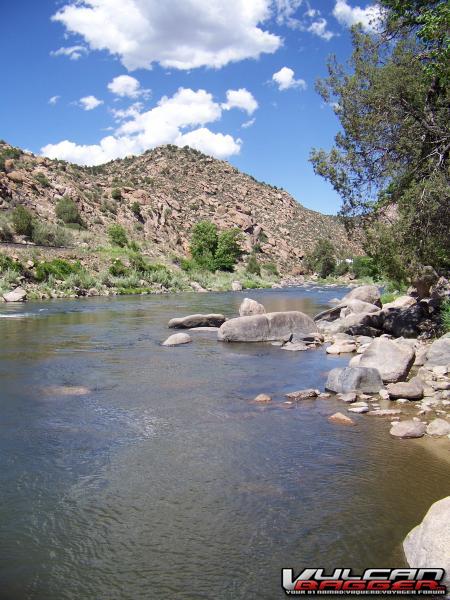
(157, 478)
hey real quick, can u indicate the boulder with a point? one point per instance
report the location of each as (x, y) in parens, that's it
(303, 394)
(197, 287)
(16, 176)
(262, 399)
(17, 295)
(341, 419)
(236, 286)
(349, 397)
(294, 346)
(428, 544)
(392, 360)
(251, 307)
(212, 320)
(408, 429)
(439, 352)
(344, 325)
(405, 322)
(401, 302)
(411, 390)
(354, 378)
(424, 280)
(276, 326)
(438, 427)
(344, 309)
(366, 293)
(177, 339)
(343, 347)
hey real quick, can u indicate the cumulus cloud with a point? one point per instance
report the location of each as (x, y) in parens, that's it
(90, 102)
(285, 79)
(126, 86)
(319, 28)
(182, 34)
(242, 99)
(72, 52)
(369, 17)
(53, 99)
(179, 119)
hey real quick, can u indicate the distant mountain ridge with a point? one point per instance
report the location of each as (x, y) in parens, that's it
(160, 195)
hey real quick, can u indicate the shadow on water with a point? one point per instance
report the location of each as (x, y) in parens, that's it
(134, 471)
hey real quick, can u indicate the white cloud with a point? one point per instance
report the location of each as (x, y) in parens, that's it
(131, 112)
(73, 52)
(90, 102)
(182, 34)
(242, 99)
(248, 123)
(53, 99)
(126, 86)
(286, 10)
(319, 28)
(285, 79)
(179, 119)
(369, 17)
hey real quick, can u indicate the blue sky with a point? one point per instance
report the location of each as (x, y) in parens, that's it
(89, 81)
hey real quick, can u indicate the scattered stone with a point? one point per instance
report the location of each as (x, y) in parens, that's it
(350, 379)
(262, 399)
(438, 427)
(303, 394)
(387, 412)
(325, 395)
(251, 307)
(412, 390)
(177, 339)
(440, 370)
(428, 543)
(296, 347)
(348, 397)
(266, 328)
(421, 354)
(17, 295)
(440, 385)
(236, 286)
(288, 404)
(392, 360)
(191, 321)
(408, 429)
(341, 419)
(358, 409)
(341, 348)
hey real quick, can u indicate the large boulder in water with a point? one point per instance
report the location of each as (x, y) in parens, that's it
(251, 307)
(177, 339)
(366, 293)
(212, 320)
(391, 359)
(17, 295)
(352, 379)
(427, 545)
(271, 327)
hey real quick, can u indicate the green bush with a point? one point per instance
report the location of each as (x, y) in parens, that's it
(50, 235)
(22, 221)
(321, 260)
(8, 153)
(253, 266)
(42, 179)
(116, 194)
(365, 266)
(188, 264)
(117, 236)
(67, 211)
(271, 268)
(342, 268)
(57, 268)
(117, 268)
(445, 316)
(6, 234)
(212, 250)
(8, 264)
(136, 210)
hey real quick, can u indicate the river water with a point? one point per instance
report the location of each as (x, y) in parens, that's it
(157, 478)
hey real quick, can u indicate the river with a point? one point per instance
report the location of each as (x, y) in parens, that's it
(158, 478)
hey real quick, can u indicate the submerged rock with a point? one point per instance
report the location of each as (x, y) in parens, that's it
(191, 321)
(266, 328)
(341, 419)
(177, 339)
(262, 399)
(428, 544)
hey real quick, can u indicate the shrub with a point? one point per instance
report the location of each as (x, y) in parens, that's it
(253, 266)
(6, 234)
(117, 236)
(188, 264)
(204, 244)
(365, 266)
(342, 268)
(136, 210)
(228, 250)
(445, 316)
(321, 259)
(116, 194)
(8, 264)
(22, 221)
(67, 211)
(57, 268)
(117, 268)
(50, 235)
(271, 268)
(42, 179)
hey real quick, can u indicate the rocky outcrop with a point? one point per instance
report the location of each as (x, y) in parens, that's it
(392, 360)
(210, 320)
(428, 544)
(17, 295)
(177, 339)
(354, 378)
(276, 326)
(251, 307)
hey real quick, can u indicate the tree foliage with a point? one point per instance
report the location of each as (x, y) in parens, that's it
(322, 258)
(212, 250)
(390, 161)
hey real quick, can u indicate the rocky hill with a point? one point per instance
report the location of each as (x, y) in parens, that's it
(159, 196)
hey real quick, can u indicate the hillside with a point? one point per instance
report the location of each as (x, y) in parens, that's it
(174, 188)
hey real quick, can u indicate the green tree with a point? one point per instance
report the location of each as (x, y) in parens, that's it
(228, 250)
(204, 242)
(390, 161)
(22, 220)
(322, 260)
(253, 266)
(117, 235)
(67, 211)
